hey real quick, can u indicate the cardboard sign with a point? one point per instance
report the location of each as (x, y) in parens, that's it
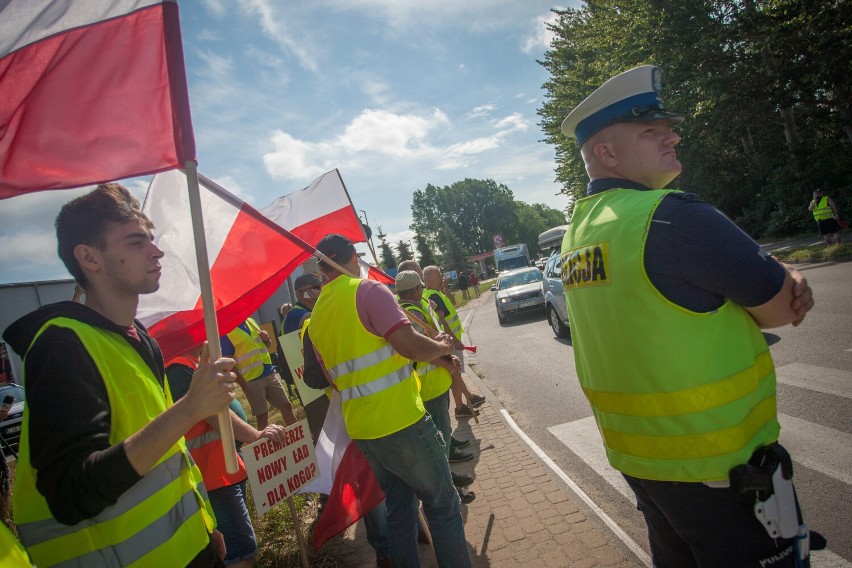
(291, 343)
(269, 328)
(276, 471)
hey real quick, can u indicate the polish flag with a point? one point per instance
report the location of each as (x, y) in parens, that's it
(91, 92)
(345, 476)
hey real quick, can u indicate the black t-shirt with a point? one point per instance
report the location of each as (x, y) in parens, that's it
(696, 257)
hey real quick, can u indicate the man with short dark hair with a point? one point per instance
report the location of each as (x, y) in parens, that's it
(104, 477)
(667, 298)
(366, 344)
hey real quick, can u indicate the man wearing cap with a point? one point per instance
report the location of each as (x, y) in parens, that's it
(366, 344)
(436, 377)
(308, 286)
(259, 379)
(667, 298)
(827, 217)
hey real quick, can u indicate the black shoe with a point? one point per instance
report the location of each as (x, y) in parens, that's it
(466, 496)
(476, 401)
(464, 411)
(461, 479)
(459, 444)
(459, 456)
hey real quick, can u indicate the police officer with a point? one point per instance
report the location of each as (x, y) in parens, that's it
(667, 298)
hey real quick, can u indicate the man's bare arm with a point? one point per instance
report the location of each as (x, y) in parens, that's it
(789, 305)
(417, 347)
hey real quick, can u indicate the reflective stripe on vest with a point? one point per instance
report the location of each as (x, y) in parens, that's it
(249, 351)
(379, 387)
(164, 518)
(434, 380)
(677, 395)
(823, 210)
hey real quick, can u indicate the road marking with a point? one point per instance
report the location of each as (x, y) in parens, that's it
(619, 532)
(820, 379)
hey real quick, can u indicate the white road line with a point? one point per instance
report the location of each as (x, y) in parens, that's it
(820, 379)
(619, 532)
(820, 448)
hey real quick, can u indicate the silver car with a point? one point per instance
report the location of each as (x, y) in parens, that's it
(518, 291)
(554, 295)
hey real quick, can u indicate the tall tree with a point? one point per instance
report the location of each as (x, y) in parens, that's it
(388, 260)
(424, 251)
(455, 254)
(403, 251)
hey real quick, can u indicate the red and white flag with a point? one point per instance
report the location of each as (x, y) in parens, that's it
(345, 476)
(91, 92)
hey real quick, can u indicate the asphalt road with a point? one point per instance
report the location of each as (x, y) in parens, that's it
(532, 374)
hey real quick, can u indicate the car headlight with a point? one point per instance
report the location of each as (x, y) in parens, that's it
(504, 300)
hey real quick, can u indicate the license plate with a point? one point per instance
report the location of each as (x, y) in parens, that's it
(13, 430)
(528, 304)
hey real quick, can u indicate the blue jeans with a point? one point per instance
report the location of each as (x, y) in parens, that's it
(232, 520)
(439, 409)
(376, 524)
(409, 465)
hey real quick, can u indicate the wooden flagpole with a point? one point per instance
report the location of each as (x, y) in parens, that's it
(210, 325)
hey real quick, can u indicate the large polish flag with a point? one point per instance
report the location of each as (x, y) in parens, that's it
(92, 91)
(345, 476)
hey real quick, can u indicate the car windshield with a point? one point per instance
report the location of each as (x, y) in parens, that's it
(14, 390)
(519, 279)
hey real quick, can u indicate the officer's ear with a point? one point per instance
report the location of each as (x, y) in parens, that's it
(604, 152)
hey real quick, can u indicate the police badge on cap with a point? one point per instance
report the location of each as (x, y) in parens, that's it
(632, 96)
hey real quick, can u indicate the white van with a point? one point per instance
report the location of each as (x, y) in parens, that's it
(554, 294)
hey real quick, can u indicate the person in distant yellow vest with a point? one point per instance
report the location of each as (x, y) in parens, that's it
(827, 217)
(667, 341)
(366, 344)
(104, 477)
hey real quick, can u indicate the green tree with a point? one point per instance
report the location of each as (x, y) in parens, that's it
(403, 251)
(455, 253)
(388, 260)
(424, 251)
(532, 221)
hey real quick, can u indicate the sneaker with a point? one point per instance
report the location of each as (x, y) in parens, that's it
(476, 401)
(465, 411)
(466, 496)
(461, 479)
(459, 443)
(459, 456)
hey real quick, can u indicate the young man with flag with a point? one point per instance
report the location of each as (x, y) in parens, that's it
(366, 343)
(104, 476)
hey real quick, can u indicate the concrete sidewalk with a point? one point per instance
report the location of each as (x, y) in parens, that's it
(523, 515)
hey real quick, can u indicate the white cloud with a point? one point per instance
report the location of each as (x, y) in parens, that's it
(37, 248)
(273, 25)
(215, 7)
(218, 68)
(512, 122)
(482, 110)
(542, 36)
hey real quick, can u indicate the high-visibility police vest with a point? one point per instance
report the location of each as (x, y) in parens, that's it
(249, 351)
(452, 316)
(378, 387)
(434, 380)
(163, 520)
(12, 553)
(205, 446)
(677, 395)
(823, 210)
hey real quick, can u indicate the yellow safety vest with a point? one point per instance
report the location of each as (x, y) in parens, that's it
(434, 380)
(249, 351)
(378, 387)
(163, 520)
(677, 395)
(12, 553)
(452, 316)
(823, 210)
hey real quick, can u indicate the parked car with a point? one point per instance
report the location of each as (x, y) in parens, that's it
(10, 428)
(554, 295)
(518, 291)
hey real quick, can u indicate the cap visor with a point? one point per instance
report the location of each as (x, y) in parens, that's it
(654, 115)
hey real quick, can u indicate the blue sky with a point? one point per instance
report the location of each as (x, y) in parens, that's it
(395, 94)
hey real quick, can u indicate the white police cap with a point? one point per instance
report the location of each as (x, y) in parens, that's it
(632, 96)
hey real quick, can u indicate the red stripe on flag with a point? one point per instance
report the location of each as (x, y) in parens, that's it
(343, 221)
(96, 103)
(354, 494)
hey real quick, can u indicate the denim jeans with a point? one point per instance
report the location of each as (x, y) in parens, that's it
(439, 409)
(376, 525)
(409, 465)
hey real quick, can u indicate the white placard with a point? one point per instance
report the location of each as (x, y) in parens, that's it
(291, 344)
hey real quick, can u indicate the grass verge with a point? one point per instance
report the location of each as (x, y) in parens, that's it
(815, 253)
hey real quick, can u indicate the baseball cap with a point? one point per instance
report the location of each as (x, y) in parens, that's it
(632, 96)
(307, 280)
(407, 280)
(336, 247)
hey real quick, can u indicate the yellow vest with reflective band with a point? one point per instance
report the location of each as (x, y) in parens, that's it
(249, 351)
(452, 316)
(434, 380)
(823, 210)
(163, 520)
(12, 553)
(378, 387)
(677, 395)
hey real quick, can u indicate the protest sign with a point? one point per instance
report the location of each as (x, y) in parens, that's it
(276, 471)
